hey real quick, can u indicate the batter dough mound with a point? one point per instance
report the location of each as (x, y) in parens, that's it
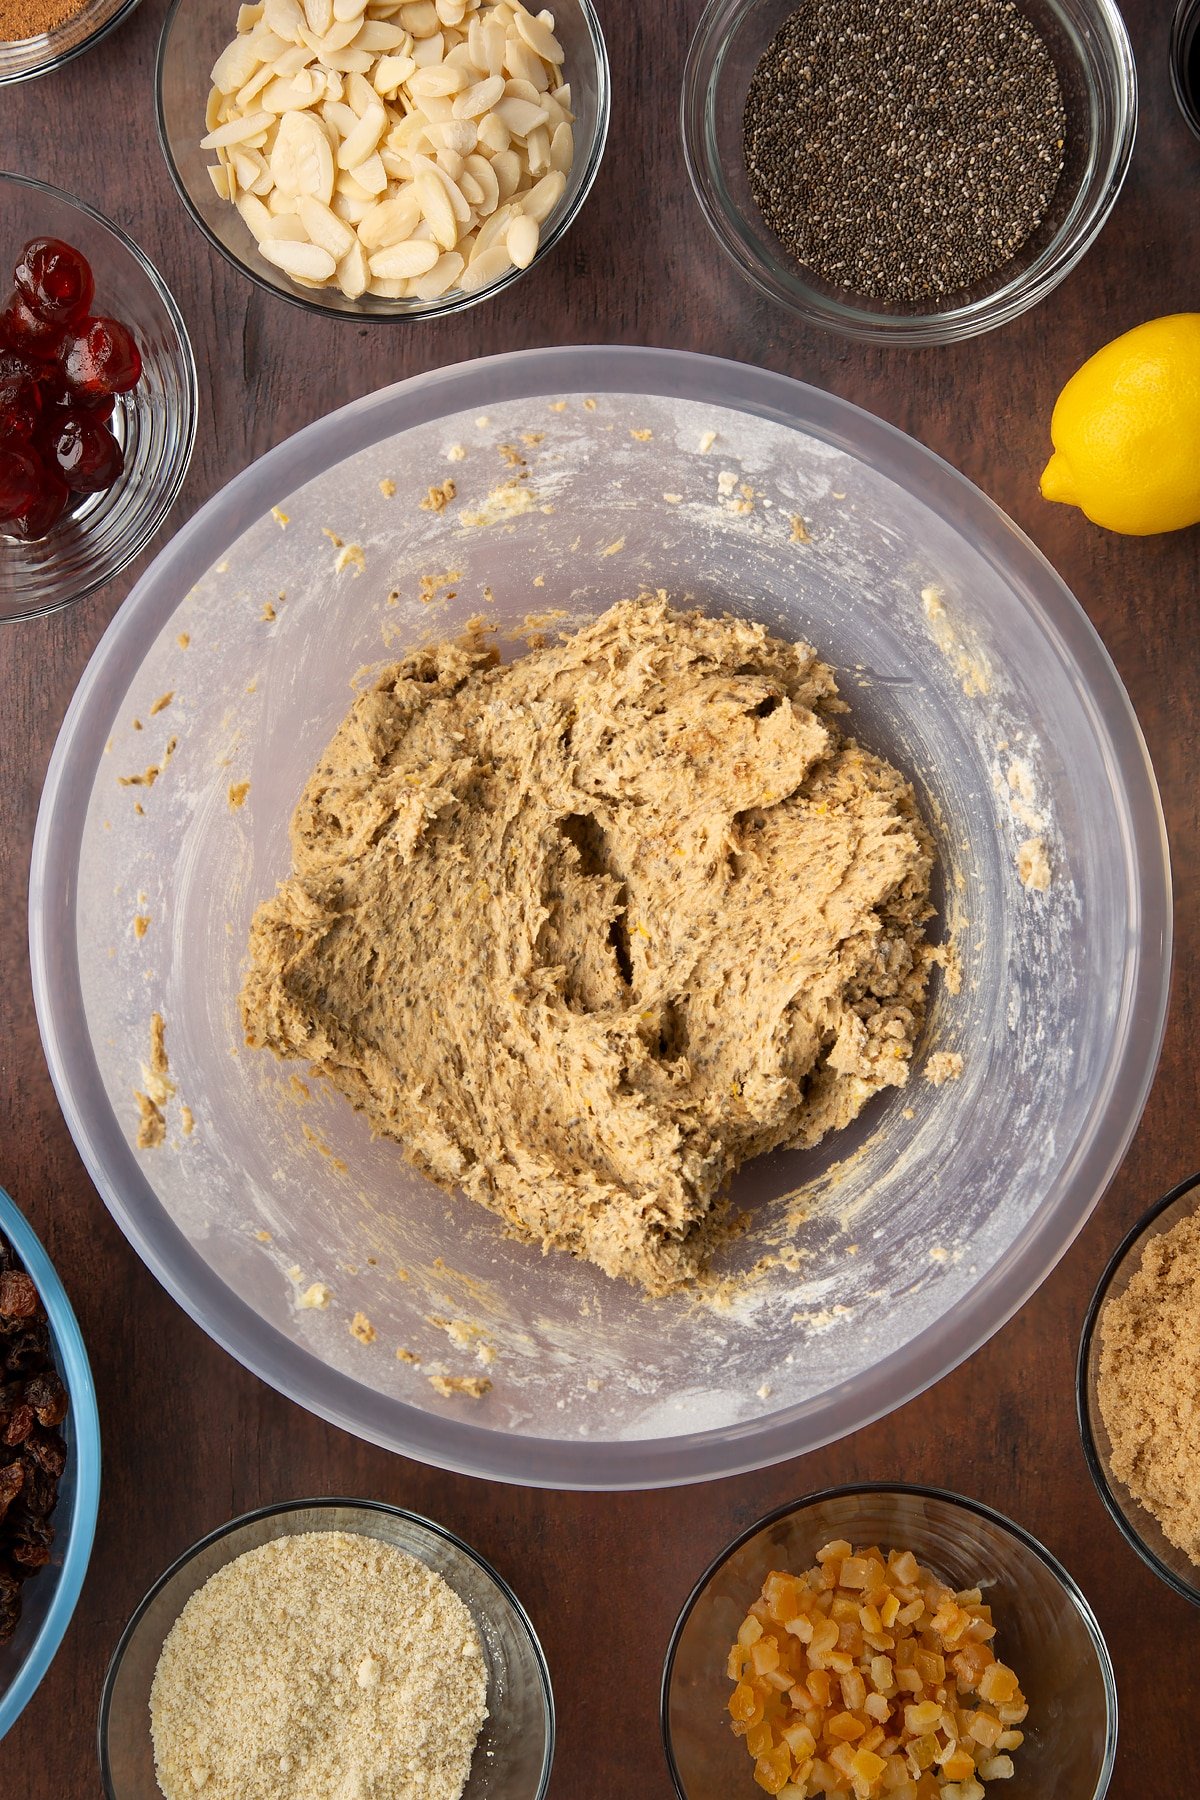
(586, 931)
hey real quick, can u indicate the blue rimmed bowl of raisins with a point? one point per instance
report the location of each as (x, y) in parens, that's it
(49, 1462)
(97, 399)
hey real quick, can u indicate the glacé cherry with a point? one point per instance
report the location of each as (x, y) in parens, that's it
(47, 509)
(26, 330)
(55, 280)
(21, 476)
(60, 370)
(84, 451)
(101, 359)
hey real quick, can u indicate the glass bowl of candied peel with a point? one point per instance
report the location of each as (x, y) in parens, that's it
(887, 1641)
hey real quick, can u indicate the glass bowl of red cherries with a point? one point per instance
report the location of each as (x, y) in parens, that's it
(97, 399)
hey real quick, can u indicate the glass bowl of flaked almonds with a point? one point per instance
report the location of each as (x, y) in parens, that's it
(326, 1646)
(1136, 1386)
(383, 159)
(888, 1643)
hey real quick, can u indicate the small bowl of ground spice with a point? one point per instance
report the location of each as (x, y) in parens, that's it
(39, 35)
(1139, 1388)
(322, 1649)
(914, 174)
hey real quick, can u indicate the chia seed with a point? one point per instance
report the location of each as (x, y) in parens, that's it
(904, 151)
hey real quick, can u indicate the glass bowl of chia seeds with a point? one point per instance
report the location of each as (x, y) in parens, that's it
(915, 182)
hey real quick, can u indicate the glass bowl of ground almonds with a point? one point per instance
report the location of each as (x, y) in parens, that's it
(908, 176)
(326, 1650)
(895, 1642)
(1139, 1384)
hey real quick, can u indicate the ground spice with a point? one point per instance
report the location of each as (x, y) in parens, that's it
(1149, 1383)
(22, 19)
(904, 151)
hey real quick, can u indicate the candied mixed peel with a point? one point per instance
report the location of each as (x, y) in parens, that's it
(867, 1676)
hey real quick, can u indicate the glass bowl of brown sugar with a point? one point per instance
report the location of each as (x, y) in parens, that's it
(1138, 1379)
(39, 35)
(912, 183)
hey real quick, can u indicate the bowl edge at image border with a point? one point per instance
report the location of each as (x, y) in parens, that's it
(81, 1391)
(915, 1490)
(318, 1503)
(1104, 1484)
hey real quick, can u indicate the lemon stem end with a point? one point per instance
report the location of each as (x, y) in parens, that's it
(1057, 483)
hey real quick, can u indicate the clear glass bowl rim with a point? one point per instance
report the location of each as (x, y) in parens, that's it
(81, 1391)
(915, 1491)
(1187, 17)
(615, 1464)
(1006, 303)
(56, 59)
(1134, 1237)
(321, 1503)
(453, 302)
(189, 381)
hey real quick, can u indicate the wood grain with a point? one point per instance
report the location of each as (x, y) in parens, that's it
(190, 1438)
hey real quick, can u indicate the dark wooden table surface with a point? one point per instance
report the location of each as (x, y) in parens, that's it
(190, 1438)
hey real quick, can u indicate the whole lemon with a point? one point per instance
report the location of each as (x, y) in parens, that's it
(1126, 431)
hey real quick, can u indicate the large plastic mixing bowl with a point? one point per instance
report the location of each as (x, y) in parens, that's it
(583, 474)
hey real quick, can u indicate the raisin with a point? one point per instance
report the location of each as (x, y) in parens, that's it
(47, 1450)
(19, 1426)
(18, 1296)
(27, 1350)
(33, 1400)
(40, 1490)
(47, 1396)
(12, 1480)
(10, 1605)
(31, 1543)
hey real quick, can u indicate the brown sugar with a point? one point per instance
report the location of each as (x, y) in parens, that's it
(1149, 1383)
